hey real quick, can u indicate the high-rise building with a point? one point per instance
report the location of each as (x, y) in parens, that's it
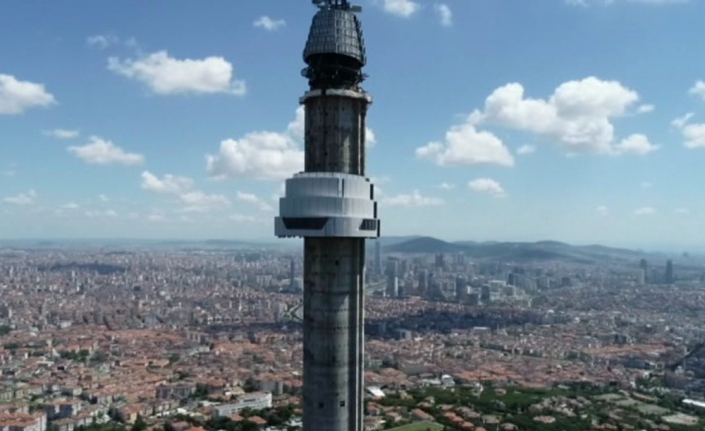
(461, 289)
(644, 266)
(669, 272)
(292, 274)
(331, 205)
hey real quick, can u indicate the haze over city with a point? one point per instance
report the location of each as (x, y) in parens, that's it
(578, 121)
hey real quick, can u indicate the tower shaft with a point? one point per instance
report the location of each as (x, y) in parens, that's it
(334, 282)
(333, 334)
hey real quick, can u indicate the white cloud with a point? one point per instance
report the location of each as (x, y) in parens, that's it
(646, 185)
(577, 115)
(644, 211)
(526, 149)
(259, 155)
(414, 199)
(464, 145)
(17, 96)
(402, 8)
(681, 121)
(103, 198)
(166, 75)
(698, 89)
(694, 134)
(22, 199)
(182, 187)
(102, 41)
(487, 186)
(169, 184)
(603, 210)
(63, 133)
(103, 152)
(254, 200)
(269, 24)
(642, 109)
(265, 155)
(446, 186)
(70, 206)
(198, 201)
(635, 144)
(370, 138)
(444, 14)
(682, 211)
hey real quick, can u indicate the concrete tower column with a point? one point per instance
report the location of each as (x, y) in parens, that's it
(331, 205)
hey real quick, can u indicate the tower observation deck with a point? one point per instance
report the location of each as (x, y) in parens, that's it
(332, 206)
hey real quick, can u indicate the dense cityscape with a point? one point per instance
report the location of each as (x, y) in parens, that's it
(342, 326)
(160, 336)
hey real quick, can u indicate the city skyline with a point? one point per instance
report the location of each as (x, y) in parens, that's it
(496, 121)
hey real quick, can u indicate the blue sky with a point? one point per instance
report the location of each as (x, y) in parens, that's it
(493, 119)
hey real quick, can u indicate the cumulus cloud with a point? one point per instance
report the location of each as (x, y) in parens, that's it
(603, 210)
(168, 184)
(254, 200)
(445, 14)
(693, 134)
(635, 144)
(182, 188)
(645, 211)
(268, 23)
(413, 199)
(63, 133)
(526, 149)
(577, 116)
(698, 89)
(265, 155)
(102, 152)
(643, 109)
(487, 186)
(198, 201)
(70, 206)
(259, 155)
(401, 8)
(464, 145)
(165, 75)
(446, 186)
(17, 96)
(22, 199)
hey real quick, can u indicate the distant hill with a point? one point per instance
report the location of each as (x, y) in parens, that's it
(515, 251)
(424, 244)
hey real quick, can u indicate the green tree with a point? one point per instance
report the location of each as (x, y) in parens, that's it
(139, 425)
